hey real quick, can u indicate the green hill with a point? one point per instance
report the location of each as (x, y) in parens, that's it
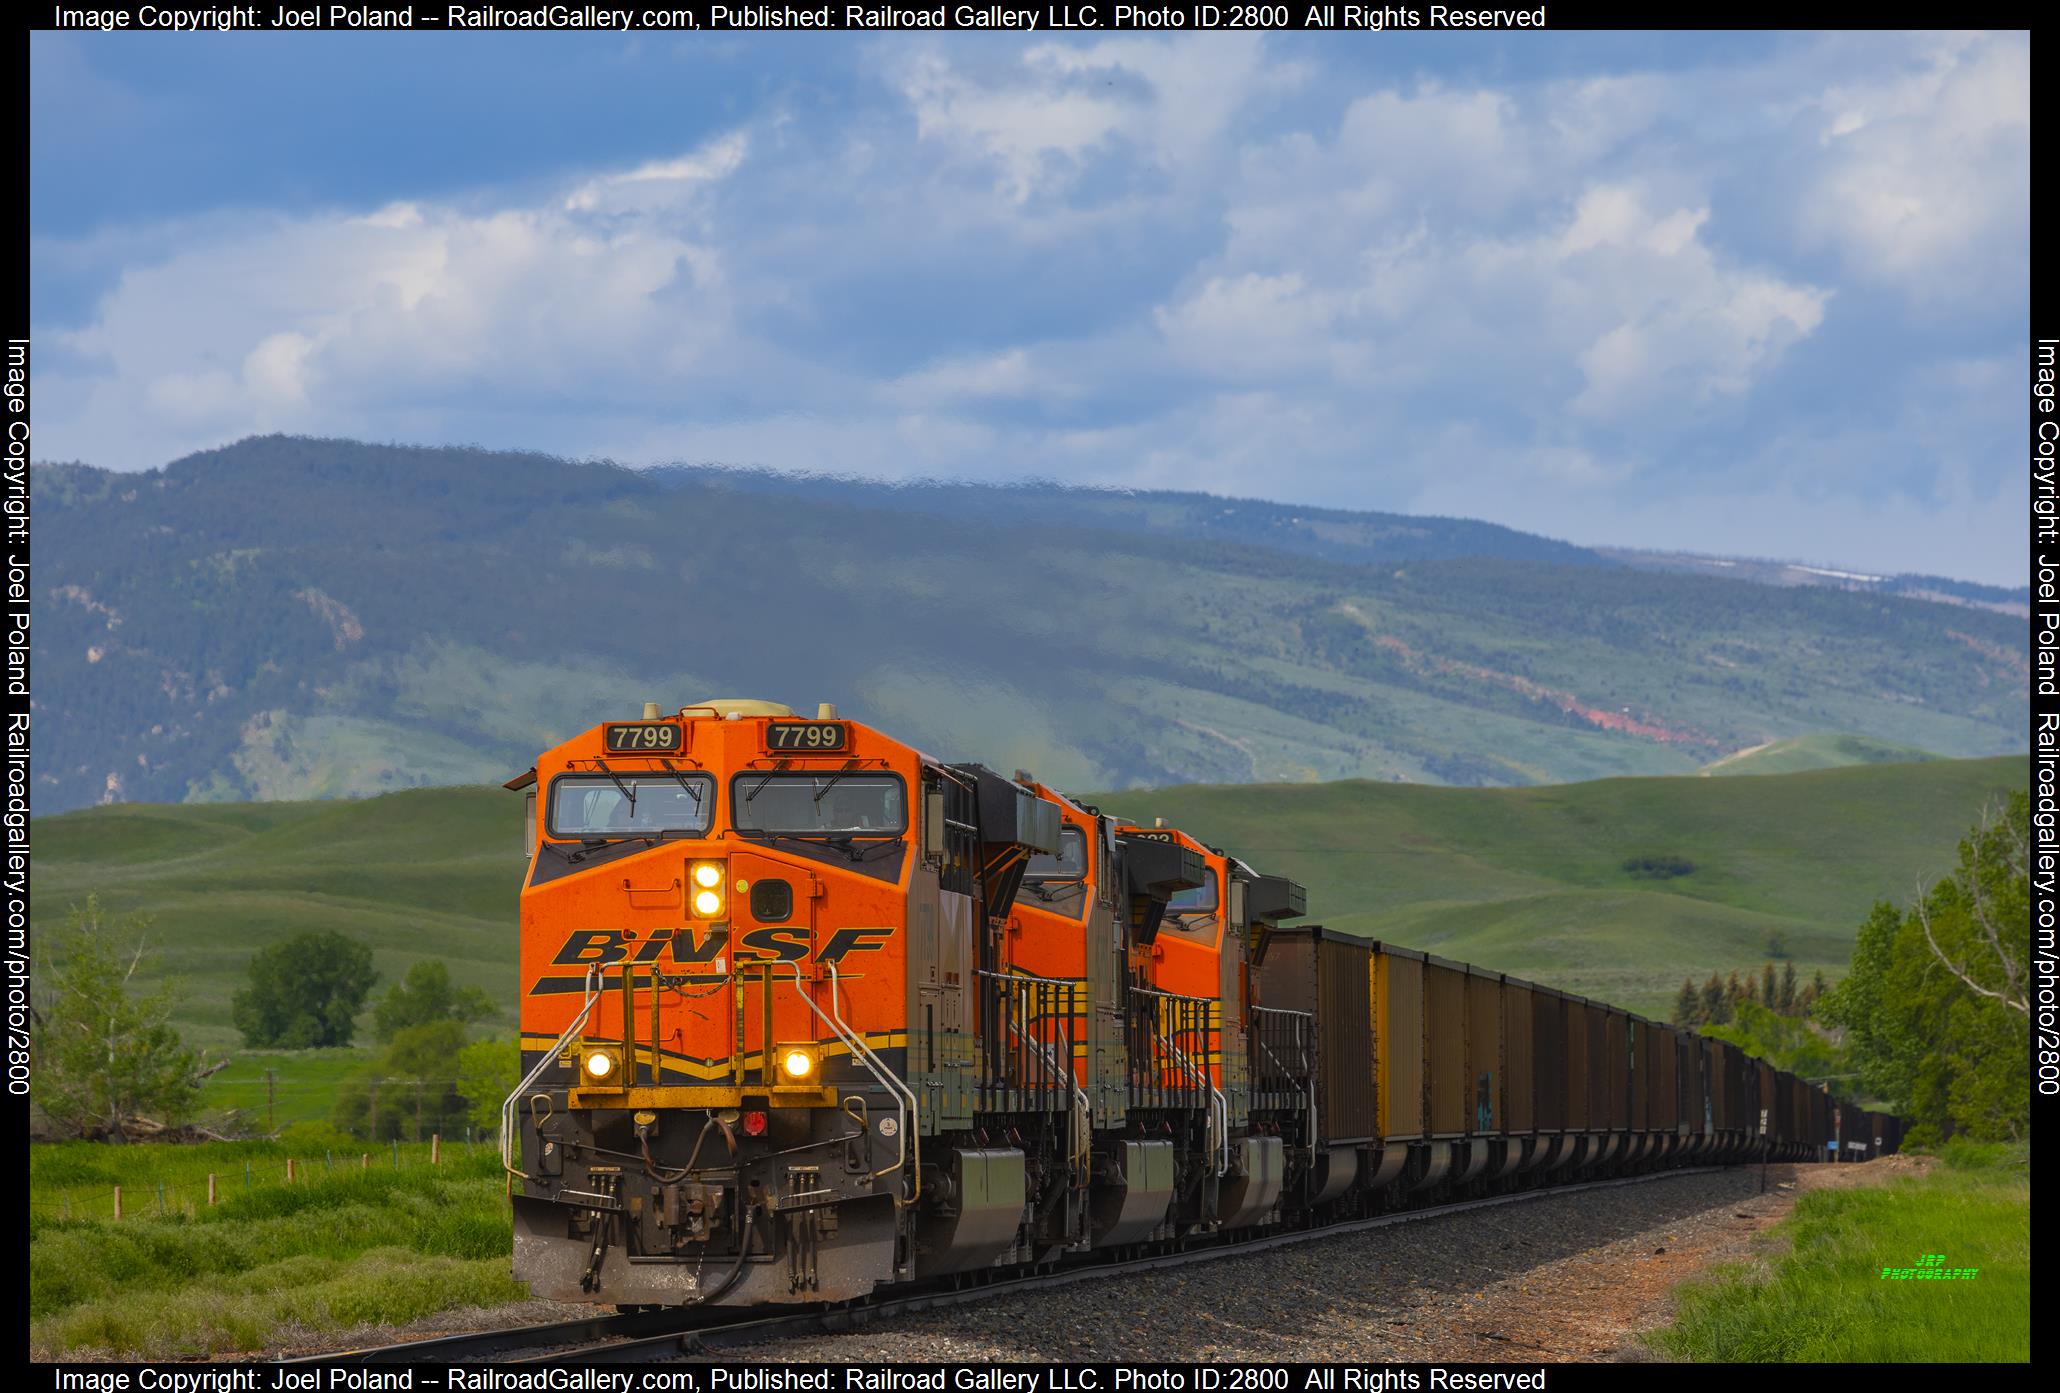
(302, 618)
(1615, 888)
(1824, 750)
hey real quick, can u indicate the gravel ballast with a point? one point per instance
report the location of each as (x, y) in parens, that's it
(1560, 1277)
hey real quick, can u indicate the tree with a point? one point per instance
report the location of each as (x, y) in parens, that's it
(1934, 1008)
(427, 996)
(1735, 992)
(1981, 933)
(410, 1090)
(1767, 987)
(488, 1071)
(1688, 1005)
(1715, 1009)
(1786, 1043)
(105, 1053)
(304, 992)
(1817, 987)
(1787, 1004)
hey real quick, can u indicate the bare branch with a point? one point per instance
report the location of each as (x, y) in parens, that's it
(1924, 921)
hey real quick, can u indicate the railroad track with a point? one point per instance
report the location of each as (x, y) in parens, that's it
(652, 1336)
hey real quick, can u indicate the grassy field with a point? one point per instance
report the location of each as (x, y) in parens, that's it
(1545, 882)
(340, 1247)
(1526, 880)
(1822, 750)
(1824, 1298)
(430, 873)
(302, 1087)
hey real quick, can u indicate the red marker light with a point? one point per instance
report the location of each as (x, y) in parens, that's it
(754, 1124)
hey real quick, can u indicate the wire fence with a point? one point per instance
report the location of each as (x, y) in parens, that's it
(191, 1191)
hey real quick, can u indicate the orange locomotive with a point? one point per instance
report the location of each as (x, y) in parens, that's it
(806, 1011)
(781, 1038)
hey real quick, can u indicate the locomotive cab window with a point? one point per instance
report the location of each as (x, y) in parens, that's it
(1069, 864)
(630, 805)
(1200, 900)
(828, 803)
(1058, 882)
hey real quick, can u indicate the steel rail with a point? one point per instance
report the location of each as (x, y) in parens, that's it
(694, 1330)
(486, 1344)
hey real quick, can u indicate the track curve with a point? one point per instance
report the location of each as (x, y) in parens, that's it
(653, 1336)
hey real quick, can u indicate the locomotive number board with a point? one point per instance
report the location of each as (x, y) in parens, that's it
(806, 735)
(641, 738)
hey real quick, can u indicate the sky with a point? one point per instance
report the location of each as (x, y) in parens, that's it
(1749, 294)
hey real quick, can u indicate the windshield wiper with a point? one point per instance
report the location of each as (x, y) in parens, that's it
(849, 765)
(759, 787)
(681, 780)
(626, 790)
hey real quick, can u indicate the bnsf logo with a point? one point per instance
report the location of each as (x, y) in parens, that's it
(584, 947)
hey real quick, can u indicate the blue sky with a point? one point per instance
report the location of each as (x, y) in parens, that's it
(1758, 294)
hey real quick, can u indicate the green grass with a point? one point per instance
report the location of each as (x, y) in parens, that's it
(302, 1087)
(336, 1249)
(1824, 1298)
(1526, 880)
(77, 1179)
(418, 874)
(1822, 750)
(1542, 881)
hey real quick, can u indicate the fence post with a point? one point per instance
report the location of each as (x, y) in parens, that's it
(365, 1161)
(160, 1199)
(289, 1170)
(435, 1148)
(210, 1189)
(246, 1175)
(396, 1153)
(117, 1201)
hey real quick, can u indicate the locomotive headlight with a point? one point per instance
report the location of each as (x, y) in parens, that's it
(796, 1064)
(598, 1066)
(707, 897)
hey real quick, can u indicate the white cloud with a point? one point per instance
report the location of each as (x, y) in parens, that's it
(1190, 262)
(661, 181)
(984, 376)
(1923, 175)
(1039, 120)
(341, 323)
(1614, 310)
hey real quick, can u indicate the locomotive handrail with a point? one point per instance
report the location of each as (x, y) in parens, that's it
(905, 1104)
(512, 1102)
(1219, 1110)
(1308, 1058)
(1082, 1111)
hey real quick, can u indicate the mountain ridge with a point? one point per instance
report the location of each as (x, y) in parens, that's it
(289, 617)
